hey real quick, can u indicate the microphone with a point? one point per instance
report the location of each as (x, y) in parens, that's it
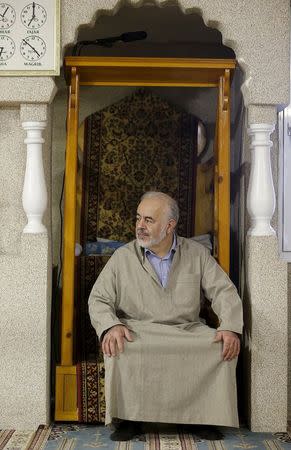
(107, 42)
(133, 36)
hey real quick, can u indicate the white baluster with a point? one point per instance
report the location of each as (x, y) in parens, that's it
(34, 197)
(261, 195)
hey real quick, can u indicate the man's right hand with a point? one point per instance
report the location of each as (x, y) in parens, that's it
(113, 341)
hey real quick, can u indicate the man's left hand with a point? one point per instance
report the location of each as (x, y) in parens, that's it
(231, 344)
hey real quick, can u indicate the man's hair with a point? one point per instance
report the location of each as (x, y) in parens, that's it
(171, 203)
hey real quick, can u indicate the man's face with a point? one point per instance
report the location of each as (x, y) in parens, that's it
(152, 222)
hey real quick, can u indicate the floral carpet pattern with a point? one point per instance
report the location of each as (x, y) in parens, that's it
(84, 436)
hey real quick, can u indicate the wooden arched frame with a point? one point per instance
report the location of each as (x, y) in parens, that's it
(108, 71)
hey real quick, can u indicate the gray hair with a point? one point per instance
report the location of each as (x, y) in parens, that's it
(171, 203)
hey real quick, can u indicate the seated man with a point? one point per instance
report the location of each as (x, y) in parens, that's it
(162, 364)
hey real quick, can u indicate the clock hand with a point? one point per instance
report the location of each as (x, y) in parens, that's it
(4, 12)
(31, 47)
(30, 21)
(1, 51)
(33, 14)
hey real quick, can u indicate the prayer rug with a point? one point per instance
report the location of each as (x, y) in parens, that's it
(138, 144)
(82, 436)
(90, 367)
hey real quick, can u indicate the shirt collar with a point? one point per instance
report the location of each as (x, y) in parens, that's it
(167, 256)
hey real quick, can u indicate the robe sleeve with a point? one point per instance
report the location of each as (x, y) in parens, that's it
(223, 295)
(103, 299)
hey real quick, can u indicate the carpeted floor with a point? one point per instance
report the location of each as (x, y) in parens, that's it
(24, 440)
(80, 436)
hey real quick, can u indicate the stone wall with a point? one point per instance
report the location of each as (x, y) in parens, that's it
(258, 32)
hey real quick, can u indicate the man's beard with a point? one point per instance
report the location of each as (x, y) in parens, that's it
(151, 242)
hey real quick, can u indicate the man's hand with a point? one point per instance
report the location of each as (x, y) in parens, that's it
(113, 341)
(231, 344)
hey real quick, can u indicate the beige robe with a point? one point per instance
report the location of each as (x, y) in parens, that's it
(172, 372)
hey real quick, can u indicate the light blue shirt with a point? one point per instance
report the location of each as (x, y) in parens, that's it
(162, 265)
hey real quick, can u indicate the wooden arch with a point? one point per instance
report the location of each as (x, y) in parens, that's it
(117, 71)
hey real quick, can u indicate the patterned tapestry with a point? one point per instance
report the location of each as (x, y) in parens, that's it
(90, 368)
(141, 143)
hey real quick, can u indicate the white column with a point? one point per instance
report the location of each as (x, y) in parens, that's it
(261, 195)
(34, 196)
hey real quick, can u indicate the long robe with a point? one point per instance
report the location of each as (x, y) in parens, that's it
(172, 372)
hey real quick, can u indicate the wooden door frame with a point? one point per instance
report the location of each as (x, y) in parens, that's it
(120, 71)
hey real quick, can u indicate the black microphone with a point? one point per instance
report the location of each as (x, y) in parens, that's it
(133, 36)
(108, 42)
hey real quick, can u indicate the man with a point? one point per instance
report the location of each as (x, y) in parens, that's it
(162, 364)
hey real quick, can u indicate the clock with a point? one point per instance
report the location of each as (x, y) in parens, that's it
(29, 38)
(7, 16)
(33, 16)
(32, 48)
(7, 48)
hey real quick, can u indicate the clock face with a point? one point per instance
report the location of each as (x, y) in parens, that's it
(7, 47)
(32, 48)
(33, 16)
(7, 16)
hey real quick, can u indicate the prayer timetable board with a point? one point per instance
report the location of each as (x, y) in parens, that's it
(29, 37)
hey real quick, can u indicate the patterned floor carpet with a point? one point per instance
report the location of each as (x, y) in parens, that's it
(80, 436)
(24, 440)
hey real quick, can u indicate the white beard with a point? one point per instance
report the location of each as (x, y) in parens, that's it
(152, 242)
